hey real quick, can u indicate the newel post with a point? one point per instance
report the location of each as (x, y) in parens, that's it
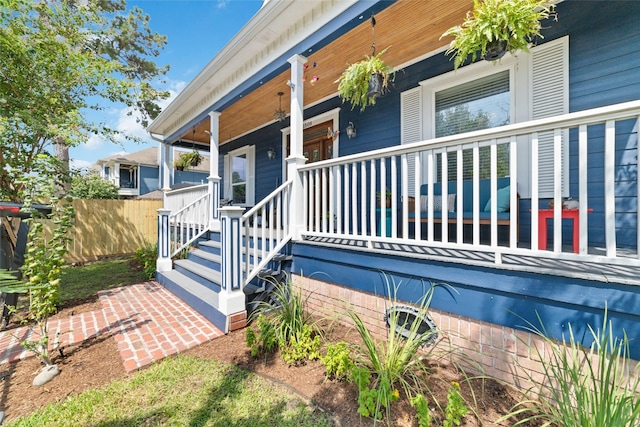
(163, 263)
(296, 159)
(231, 301)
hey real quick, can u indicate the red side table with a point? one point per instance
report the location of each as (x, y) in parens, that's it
(572, 214)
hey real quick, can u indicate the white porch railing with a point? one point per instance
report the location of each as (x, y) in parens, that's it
(191, 220)
(340, 194)
(175, 200)
(266, 230)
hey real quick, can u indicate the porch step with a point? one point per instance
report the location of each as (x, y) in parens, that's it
(211, 246)
(207, 259)
(208, 277)
(194, 294)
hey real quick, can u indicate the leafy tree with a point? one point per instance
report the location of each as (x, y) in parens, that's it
(59, 59)
(92, 186)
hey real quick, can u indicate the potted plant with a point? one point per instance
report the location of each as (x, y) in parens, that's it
(362, 82)
(187, 160)
(495, 27)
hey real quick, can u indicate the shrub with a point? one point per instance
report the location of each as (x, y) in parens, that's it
(587, 387)
(303, 345)
(265, 340)
(392, 363)
(146, 257)
(456, 408)
(338, 360)
(291, 323)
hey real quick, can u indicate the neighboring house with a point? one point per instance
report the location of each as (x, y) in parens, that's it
(562, 122)
(138, 173)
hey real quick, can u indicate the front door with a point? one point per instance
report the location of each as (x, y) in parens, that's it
(317, 145)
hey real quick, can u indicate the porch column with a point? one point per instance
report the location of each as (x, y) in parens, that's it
(163, 263)
(231, 297)
(214, 174)
(296, 159)
(166, 165)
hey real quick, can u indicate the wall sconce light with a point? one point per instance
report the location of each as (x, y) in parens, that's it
(351, 130)
(279, 114)
(271, 153)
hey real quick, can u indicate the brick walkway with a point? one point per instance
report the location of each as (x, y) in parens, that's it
(147, 322)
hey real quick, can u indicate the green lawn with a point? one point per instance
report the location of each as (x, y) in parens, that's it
(182, 391)
(81, 282)
(177, 391)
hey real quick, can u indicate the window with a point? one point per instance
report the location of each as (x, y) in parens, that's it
(128, 176)
(239, 174)
(479, 104)
(485, 95)
(239, 179)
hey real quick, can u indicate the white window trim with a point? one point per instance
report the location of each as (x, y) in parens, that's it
(521, 97)
(519, 89)
(331, 115)
(249, 152)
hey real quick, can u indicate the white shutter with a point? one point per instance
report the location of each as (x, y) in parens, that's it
(550, 97)
(411, 127)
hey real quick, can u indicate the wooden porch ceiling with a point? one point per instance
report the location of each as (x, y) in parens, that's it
(408, 28)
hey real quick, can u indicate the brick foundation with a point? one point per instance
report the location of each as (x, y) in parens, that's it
(500, 352)
(237, 321)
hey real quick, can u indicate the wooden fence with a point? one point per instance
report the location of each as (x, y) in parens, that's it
(111, 227)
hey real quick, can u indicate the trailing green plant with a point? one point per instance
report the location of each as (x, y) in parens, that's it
(264, 341)
(338, 360)
(146, 257)
(419, 402)
(188, 159)
(395, 362)
(595, 386)
(515, 22)
(456, 408)
(353, 83)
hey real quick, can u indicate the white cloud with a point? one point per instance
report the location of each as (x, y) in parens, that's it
(80, 164)
(95, 142)
(221, 4)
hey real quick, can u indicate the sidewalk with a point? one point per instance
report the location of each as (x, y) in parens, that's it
(147, 322)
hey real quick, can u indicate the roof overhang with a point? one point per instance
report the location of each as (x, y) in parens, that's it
(279, 30)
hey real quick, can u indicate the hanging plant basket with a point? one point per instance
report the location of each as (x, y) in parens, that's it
(495, 50)
(187, 160)
(376, 82)
(364, 81)
(494, 27)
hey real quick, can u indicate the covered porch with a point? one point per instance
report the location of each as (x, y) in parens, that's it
(394, 200)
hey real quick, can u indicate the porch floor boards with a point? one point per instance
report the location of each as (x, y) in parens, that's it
(543, 262)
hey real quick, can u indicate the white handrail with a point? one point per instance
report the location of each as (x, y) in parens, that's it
(340, 194)
(266, 230)
(189, 223)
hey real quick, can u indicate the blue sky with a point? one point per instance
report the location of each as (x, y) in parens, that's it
(196, 30)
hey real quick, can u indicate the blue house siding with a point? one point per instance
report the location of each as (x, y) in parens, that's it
(604, 68)
(506, 298)
(190, 177)
(148, 179)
